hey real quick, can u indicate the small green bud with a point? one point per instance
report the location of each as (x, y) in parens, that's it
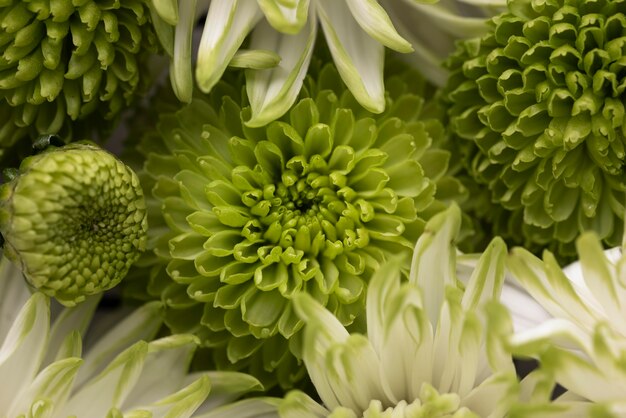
(74, 218)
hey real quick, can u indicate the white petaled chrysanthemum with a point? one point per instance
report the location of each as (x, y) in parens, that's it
(583, 346)
(587, 292)
(433, 29)
(283, 34)
(432, 348)
(46, 374)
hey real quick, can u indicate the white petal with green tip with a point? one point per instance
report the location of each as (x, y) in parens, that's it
(358, 57)
(227, 24)
(181, 74)
(24, 348)
(273, 91)
(286, 17)
(373, 19)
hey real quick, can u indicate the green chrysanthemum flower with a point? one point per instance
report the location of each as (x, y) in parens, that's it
(311, 203)
(49, 372)
(433, 348)
(63, 61)
(541, 97)
(74, 218)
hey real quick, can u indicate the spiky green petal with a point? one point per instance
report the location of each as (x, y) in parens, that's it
(74, 219)
(538, 103)
(65, 64)
(310, 203)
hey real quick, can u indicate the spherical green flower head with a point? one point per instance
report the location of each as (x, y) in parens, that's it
(74, 218)
(541, 98)
(309, 203)
(62, 61)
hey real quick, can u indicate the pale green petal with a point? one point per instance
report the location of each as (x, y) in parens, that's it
(181, 74)
(600, 277)
(164, 31)
(273, 91)
(227, 24)
(226, 387)
(24, 348)
(325, 331)
(111, 387)
(494, 396)
(299, 405)
(358, 57)
(284, 17)
(488, 276)
(400, 333)
(54, 383)
(433, 266)
(13, 294)
(167, 10)
(248, 408)
(181, 404)
(373, 19)
(172, 354)
(260, 59)
(553, 290)
(142, 324)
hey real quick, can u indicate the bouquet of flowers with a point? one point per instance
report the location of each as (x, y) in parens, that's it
(312, 208)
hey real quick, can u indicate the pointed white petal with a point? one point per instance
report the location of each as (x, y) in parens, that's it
(273, 91)
(227, 24)
(434, 263)
(142, 324)
(285, 18)
(24, 348)
(358, 57)
(173, 354)
(525, 311)
(373, 19)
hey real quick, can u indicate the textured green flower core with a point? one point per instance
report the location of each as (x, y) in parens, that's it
(541, 98)
(310, 203)
(63, 60)
(74, 219)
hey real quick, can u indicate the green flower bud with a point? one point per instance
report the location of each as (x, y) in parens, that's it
(313, 202)
(540, 103)
(65, 65)
(74, 218)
